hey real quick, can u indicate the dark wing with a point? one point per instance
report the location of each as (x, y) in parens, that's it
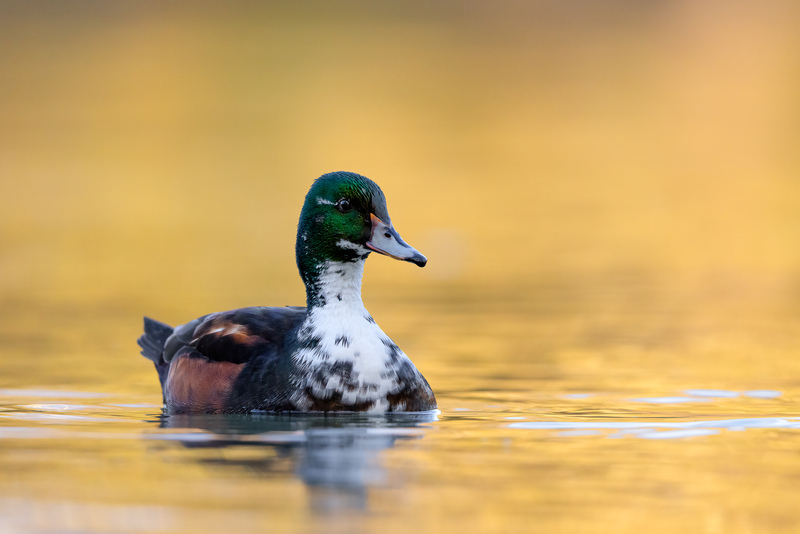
(235, 336)
(206, 356)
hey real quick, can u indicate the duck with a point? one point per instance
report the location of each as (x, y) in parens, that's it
(329, 356)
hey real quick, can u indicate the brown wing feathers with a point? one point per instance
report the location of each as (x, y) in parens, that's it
(203, 358)
(198, 385)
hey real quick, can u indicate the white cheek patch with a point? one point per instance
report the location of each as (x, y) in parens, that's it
(349, 245)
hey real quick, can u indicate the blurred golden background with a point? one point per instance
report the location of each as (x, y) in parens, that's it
(169, 144)
(154, 155)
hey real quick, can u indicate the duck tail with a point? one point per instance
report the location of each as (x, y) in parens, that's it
(153, 340)
(152, 343)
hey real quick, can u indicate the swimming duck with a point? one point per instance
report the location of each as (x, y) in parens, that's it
(328, 356)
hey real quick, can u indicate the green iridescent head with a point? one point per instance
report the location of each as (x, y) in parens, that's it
(344, 218)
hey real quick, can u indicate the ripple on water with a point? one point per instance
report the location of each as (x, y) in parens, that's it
(54, 412)
(669, 400)
(55, 417)
(705, 395)
(653, 430)
(715, 393)
(46, 407)
(51, 394)
(762, 394)
(577, 395)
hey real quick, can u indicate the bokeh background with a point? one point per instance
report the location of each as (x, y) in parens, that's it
(154, 155)
(608, 194)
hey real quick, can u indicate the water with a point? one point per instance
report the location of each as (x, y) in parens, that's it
(556, 432)
(610, 317)
(104, 467)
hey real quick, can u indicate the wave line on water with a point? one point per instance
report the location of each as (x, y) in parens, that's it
(655, 429)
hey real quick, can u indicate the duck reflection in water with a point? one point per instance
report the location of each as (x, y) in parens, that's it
(338, 457)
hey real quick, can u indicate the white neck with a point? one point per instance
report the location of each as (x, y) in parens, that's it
(341, 340)
(339, 285)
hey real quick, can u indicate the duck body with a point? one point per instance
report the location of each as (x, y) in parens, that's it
(326, 357)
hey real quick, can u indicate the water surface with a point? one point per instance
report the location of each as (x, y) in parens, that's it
(548, 423)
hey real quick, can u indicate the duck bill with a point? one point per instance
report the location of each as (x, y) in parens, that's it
(385, 240)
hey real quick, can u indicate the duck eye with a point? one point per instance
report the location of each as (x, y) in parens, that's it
(344, 205)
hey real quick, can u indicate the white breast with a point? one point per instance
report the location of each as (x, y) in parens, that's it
(343, 349)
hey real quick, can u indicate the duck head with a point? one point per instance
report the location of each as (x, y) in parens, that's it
(344, 218)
